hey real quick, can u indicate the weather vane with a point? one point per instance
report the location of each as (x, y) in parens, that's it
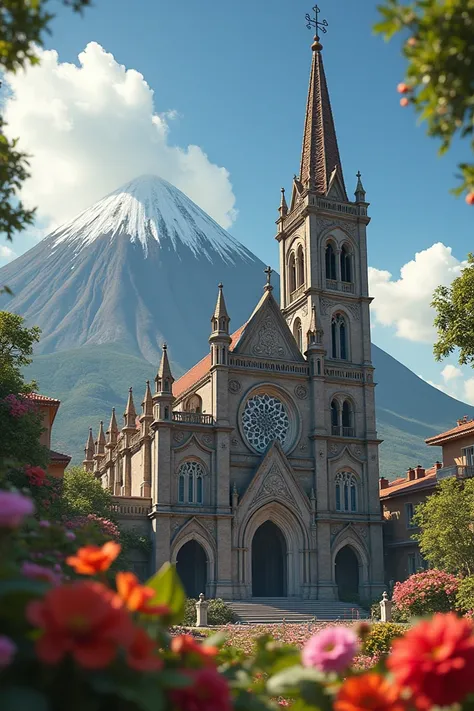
(314, 21)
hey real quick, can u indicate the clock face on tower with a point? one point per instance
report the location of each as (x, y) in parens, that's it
(265, 419)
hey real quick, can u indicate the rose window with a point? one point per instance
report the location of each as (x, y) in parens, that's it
(264, 420)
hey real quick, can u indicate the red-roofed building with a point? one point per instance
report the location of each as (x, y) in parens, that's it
(257, 470)
(48, 408)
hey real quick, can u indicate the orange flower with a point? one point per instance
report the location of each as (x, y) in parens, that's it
(90, 560)
(368, 691)
(83, 619)
(184, 644)
(141, 654)
(136, 596)
(435, 660)
(404, 102)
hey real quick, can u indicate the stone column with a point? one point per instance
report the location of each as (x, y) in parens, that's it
(127, 478)
(145, 487)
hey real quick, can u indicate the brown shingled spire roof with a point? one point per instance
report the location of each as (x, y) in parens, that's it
(320, 152)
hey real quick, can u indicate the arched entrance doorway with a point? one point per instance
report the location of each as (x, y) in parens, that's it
(347, 575)
(191, 565)
(268, 562)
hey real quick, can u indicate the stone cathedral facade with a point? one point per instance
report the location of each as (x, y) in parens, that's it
(257, 471)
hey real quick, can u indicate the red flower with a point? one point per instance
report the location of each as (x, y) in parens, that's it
(403, 88)
(435, 660)
(36, 475)
(368, 691)
(84, 619)
(209, 691)
(136, 596)
(404, 102)
(141, 654)
(185, 645)
(470, 198)
(90, 560)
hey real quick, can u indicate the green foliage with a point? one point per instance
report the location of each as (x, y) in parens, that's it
(445, 522)
(440, 55)
(465, 595)
(454, 314)
(23, 25)
(16, 349)
(168, 591)
(218, 613)
(83, 494)
(380, 638)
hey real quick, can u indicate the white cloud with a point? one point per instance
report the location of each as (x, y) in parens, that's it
(469, 391)
(91, 128)
(7, 253)
(450, 372)
(405, 302)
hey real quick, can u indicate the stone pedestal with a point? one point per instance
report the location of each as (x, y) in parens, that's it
(201, 611)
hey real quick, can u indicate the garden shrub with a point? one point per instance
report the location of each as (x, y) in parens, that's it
(380, 638)
(465, 595)
(426, 593)
(219, 613)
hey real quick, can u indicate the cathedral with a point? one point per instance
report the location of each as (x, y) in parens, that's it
(256, 472)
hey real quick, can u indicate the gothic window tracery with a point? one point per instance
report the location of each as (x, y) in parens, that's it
(346, 264)
(330, 256)
(339, 337)
(264, 420)
(346, 492)
(190, 483)
(300, 277)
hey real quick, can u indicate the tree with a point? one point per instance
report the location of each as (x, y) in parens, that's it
(446, 521)
(455, 316)
(23, 24)
(20, 423)
(440, 78)
(83, 494)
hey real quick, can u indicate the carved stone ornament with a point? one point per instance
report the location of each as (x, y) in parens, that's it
(301, 392)
(304, 310)
(274, 485)
(234, 442)
(362, 531)
(207, 440)
(358, 451)
(178, 437)
(325, 305)
(333, 448)
(234, 386)
(303, 446)
(336, 528)
(354, 309)
(209, 525)
(269, 342)
(349, 227)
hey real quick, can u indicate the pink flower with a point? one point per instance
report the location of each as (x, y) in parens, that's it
(18, 406)
(70, 535)
(13, 508)
(36, 475)
(39, 572)
(333, 649)
(7, 650)
(44, 524)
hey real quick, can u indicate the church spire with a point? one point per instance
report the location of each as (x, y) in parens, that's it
(100, 444)
(147, 404)
(89, 451)
(112, 432)
(320, 160)
(359, 191)
(220, 318)
(164, 379)
(130, 413)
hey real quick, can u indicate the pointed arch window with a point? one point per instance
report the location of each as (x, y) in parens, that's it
(330, 262)
(335, 427)
(193, 404)
(190, 483)
(300, 277)
(347, 419)
(298, 333)
(346, 264)
(339, 339)
(346, 494)
(292, 272)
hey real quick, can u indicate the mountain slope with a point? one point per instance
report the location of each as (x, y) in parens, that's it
(130, 270)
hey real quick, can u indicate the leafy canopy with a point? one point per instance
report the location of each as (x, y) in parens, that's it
(455, 315)
(83, 494)
(439, 46)
(445, 519)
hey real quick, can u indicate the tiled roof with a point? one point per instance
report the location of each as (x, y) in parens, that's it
(43, 398)
(403, 485)
(198, 371)
(58, 457)
(460, 430)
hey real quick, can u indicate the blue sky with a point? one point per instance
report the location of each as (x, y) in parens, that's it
(236, 74)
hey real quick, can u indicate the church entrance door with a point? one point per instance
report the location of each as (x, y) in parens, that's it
(268, 562)
(347, 575)
(191, 565)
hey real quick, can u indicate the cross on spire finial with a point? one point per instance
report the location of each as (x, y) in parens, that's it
(268, 285)
(359, 174)
(315, 22)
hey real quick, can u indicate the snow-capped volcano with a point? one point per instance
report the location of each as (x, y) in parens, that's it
(150, 208)
(139, 267)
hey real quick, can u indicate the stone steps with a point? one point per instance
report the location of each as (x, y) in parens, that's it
(277, 610)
